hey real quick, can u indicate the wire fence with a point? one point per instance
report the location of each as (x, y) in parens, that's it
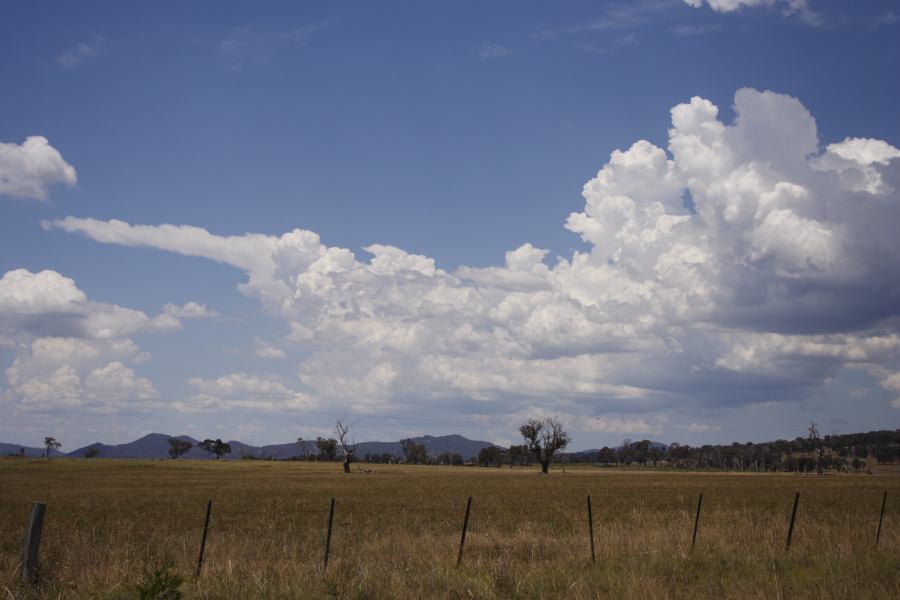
(681, 522)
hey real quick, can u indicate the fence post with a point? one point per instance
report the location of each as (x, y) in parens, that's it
(328, 535)
(793, 518)
(462, 539)
(696, 522)
(591, 528)
(881, 518)
(33, 542)
(203, 539)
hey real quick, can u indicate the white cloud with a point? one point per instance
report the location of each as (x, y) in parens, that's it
(699, 428)
(886, 19)
(694, 29)
(800, 8)
(493, 51)
(53, 373)
(243, 391)
(28, 169)
(72, 352)
(728, 5)
(892, 383)
(33, 293)
(80, 52)
(780, 275)
(266, 350)
(47, 303)
(244, 46)
(634, 425)
(173, 314)
(191, 310)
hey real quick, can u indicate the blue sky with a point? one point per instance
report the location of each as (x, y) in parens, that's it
(455, 133)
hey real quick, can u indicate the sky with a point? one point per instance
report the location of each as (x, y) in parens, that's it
(666, 219)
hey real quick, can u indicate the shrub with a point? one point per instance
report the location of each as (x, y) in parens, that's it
(160, 584)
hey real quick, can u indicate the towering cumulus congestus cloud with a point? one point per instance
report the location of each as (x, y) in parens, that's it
(744, 263)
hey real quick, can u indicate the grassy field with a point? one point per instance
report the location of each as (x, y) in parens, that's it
(397, 532)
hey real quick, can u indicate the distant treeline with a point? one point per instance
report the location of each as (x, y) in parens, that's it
(848, 452)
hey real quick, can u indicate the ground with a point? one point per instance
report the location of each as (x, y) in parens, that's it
(397, 531)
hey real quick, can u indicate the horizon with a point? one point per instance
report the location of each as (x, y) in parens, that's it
(672, 220)
(228, 439)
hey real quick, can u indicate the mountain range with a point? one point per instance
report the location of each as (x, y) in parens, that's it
(156, 445)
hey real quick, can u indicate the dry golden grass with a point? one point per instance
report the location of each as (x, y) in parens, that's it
(397, 532)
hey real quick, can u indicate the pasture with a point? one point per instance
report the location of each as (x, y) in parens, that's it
(397, 531)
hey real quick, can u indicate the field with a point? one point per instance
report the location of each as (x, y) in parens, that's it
(397, 531)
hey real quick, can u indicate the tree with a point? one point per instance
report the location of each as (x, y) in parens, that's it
(51, 444)
(815, 445)
(544, 437)
(348, 443)
(453, 459)
(179, 447)
(519, 455)
(91, 452)
(489, 456)
(304, 446)
(413, 453)
(606, 455)
(216, 446)
(327, 448)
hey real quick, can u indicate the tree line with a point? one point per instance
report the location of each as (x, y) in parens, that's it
(545, 438)
(813, 453)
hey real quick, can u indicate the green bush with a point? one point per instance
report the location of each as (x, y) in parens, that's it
(160, 584)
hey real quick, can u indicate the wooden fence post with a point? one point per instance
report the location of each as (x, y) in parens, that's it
(33, 542)
(328, 535)
(881, 518)
(591, 528)
(793, 518)
(203, 539)
(696, 522)
(462, 539)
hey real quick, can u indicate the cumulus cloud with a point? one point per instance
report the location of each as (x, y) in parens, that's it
(173, 314)
(266, 350)
(728, 5)
(28, 169)
(56, 373)
(741, 264)
(800, 8)
(243, 391)
(49, 304)
(72, 352)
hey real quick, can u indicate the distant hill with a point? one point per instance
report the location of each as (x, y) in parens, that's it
(152, 445)
(16, 449)
(156, 445)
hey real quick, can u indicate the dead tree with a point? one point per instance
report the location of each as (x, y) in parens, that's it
(348, 443)
(815, 446)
